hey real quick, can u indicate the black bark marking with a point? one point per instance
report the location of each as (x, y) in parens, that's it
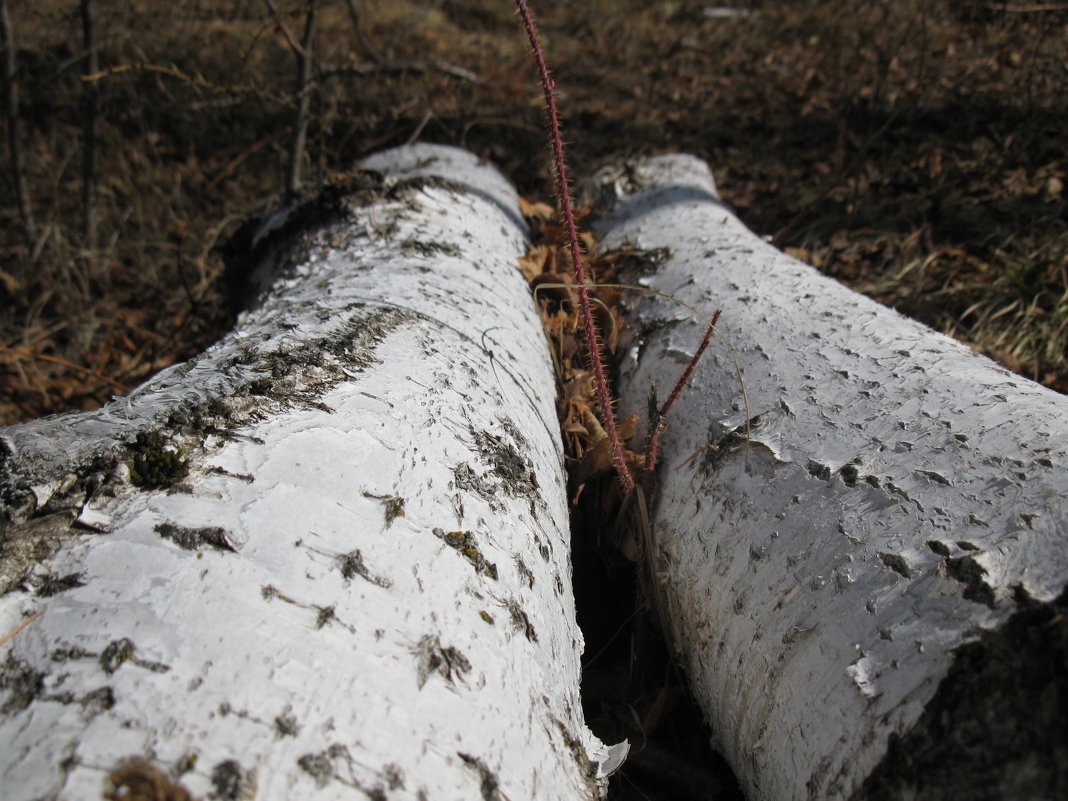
(96, 701)
(232, 782)
(971, 574)
(352, 564)
(195, 539)
(48, 585)
(850, 474)
(508, 463)
(520, 621)
(721, 448)
(319, 766)
(260, 247)
(430, 249)
(22, 682)
(939, 548)
(489, 784)
(587, 768)
(931, 475)
(116, 654)
(286, 725)
(897, 563)
(432, 657)
(820, 471)
(526, 575)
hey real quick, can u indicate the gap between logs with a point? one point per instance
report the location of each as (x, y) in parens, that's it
(632, 687)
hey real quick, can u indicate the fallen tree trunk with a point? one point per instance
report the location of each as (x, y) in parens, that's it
(326, 559)
(862, 561)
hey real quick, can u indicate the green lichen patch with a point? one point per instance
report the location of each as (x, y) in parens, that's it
(195, 539)
(394, 505)
(155, 462)
(464, 542)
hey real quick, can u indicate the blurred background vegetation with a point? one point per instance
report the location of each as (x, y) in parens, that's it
(915, 149)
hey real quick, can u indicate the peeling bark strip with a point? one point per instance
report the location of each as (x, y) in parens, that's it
(898, 511)
(238, 569)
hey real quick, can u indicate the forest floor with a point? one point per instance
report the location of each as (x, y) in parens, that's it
(915, 150)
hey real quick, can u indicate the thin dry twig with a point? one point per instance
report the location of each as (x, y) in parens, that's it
(684, 379)
(25, 354)
(14, 125)
(19, 628)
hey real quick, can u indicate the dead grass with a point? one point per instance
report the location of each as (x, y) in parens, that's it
(913, 149)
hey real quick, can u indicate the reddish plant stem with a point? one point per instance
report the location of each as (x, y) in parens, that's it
(684, 379)
(563, 195)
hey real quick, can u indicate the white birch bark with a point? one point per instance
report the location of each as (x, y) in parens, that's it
(898, 497)
(361, 586)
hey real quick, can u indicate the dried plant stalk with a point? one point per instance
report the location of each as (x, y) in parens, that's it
(563, 198)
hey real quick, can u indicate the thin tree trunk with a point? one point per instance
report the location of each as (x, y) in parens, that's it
(91, 106)
(329, 557)
(863, 554)
(305, 64)
(361, 36)
(14, 127)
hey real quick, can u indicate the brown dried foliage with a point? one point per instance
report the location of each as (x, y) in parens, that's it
(913, 149)
(137, 779)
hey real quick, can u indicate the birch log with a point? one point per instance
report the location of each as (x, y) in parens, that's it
(327, 559)
(863, 569)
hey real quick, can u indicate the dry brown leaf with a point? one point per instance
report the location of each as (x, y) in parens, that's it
(536, 210)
